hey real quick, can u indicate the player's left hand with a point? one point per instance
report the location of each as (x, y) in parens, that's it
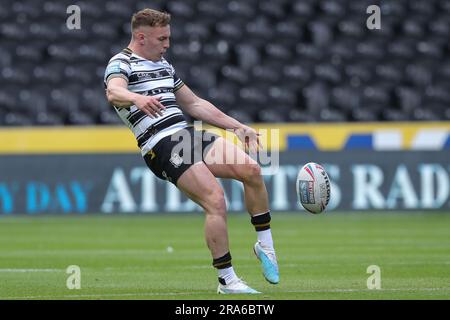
(249, 137)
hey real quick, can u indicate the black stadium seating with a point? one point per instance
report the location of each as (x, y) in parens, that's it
(257, 60)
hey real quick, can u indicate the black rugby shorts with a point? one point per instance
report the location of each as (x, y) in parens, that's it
(176, 153)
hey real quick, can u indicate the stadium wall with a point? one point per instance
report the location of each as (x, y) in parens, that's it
(389, 166)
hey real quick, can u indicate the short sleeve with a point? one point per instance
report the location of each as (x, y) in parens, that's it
(177, 82)
(117, 67)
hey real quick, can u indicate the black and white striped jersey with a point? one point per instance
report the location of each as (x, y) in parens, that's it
(148, 78)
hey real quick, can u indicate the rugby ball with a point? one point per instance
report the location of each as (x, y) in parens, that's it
(313, 187)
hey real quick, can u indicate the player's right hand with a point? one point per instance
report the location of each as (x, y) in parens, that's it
(150, 105)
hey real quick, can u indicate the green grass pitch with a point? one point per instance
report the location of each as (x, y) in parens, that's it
(320, 257)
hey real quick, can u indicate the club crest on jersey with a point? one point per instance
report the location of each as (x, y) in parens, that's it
(176, 160)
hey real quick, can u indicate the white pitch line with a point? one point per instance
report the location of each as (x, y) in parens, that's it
(367, 290)
(30, 270)
(109, 295)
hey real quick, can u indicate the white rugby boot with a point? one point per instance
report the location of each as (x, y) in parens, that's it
(236, 286)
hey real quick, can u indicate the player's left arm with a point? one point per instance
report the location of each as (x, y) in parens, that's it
(204, 110)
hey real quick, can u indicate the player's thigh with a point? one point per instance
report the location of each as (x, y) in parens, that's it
(200, 185)
(226, 160)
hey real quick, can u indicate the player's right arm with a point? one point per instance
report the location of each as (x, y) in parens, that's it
(118, 95)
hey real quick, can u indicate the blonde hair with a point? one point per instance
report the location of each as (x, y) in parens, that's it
(149, 17)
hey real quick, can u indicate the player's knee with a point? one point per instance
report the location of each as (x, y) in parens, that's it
(215, 202)
(251, 172)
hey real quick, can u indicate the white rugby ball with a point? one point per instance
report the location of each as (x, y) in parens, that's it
(313, 187)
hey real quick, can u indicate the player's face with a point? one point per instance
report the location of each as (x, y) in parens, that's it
(156, 41)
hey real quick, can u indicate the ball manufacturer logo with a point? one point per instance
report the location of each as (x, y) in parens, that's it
(325, 188)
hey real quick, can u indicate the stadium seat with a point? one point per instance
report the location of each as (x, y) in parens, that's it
(320, 33)
(346, 98)
(391, 114)
(45, 118)
(316, 97)
(181, 9)
(272, 114)
(364, 115)
(15, 118)
(28, 10)
(439, 92)
(49, 30)
(118, 10)
(418, 75)
(278, 51)
(214, 9)
(303, 9)
(105, 30)
(241, 9)
(202, 77)
(342, 49)
(297, 73)
(31, 102)
(216, 51)
(394, 8)
(370, 50)
(255, 97)
(272, 9)
(440, 26)
(430, 49)
(422, 114)
(80, 118)
(241, 115)
(351, 28)
(408, 98)
(222, 96)
(234, 74)
(266, 73)
(280, 95)
(109, 117)
(332, 115)
(414, 27)
(91, 9)
(229, 30)
(7, 100)
(296, 115)
(333, 8)
(260, 28)
(360, 72)
(187, 51)
(16, 74)
(247, 55)
(389, 72)
(289, 30)
(14, 31)
(156, 4)
(446, 114)
(308, 52)
(402, 49)
(197, 31)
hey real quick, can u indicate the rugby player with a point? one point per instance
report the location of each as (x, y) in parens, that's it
(151, 100)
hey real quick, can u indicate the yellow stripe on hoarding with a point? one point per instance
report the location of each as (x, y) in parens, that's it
(119, 139)
(40, 140)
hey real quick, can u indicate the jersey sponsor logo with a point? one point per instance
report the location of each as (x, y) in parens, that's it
(152, 74)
